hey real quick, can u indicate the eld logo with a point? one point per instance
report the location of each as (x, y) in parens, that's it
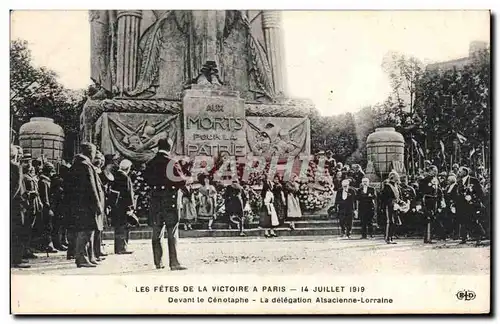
(466, 295)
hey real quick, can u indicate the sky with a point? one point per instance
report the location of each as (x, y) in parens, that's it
(332, 57)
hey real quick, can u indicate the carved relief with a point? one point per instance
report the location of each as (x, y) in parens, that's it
(282, 137)
(137, 138)
(171, 49)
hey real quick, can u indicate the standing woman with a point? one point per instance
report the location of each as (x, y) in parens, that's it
(268, 217)
(293, 212)
(207, 197)
(187, 204)
(279, 199)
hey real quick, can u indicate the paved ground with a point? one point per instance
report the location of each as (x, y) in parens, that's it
(306, 255)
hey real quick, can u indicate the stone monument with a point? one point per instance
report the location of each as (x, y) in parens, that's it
(211, 81)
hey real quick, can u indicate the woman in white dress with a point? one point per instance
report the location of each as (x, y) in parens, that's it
(187, 205)
(207, 197)
(293, 212)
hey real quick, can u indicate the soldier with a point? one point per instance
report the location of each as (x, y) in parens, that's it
(431, 197)
(165, 178)
(389, 199)
(17, 219)
(366, 199)
(408, 195)
(44, 184)
(469, 206)
(345, 201)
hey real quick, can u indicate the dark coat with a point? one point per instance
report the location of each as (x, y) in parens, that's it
(347, 206)
(451, 196)
(83, 196)
(163, 199)
(471, 187)
(121, 199)
(366, 201)
(235, 200)
(57, 196)
(389, 196)
(44, 191)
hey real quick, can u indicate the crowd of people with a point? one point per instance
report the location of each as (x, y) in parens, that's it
(65, 208)
(437, 205)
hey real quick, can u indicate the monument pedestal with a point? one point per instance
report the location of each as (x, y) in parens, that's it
(204, 122)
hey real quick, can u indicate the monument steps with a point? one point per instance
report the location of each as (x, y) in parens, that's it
(311, 225)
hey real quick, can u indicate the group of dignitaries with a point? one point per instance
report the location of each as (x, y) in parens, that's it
(437, 207)
(67, 210)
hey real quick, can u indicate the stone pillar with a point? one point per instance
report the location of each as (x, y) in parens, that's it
(271, 24)
(127, 48)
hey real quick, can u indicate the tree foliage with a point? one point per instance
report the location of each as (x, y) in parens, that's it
(36, 92)
(432, 108)
(456, 102)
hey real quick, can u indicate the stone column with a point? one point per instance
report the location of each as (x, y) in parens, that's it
(127, 48)
(271, 24)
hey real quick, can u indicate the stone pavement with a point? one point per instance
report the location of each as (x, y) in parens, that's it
(286, 255)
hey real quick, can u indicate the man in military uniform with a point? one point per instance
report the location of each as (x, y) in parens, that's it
(165, 178)
(366, 198)
(19, 225)
(389, 200)
(469, 206)
(431, 197)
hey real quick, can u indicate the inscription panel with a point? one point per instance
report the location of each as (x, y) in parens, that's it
(214, 122)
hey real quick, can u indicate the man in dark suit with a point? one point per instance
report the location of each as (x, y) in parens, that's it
(164, 176)
(366, 199)
(19, 226)
(44, 184)
(345, 202)
(469, 206)
(122, 203)
(431, 196)
(84, 203)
